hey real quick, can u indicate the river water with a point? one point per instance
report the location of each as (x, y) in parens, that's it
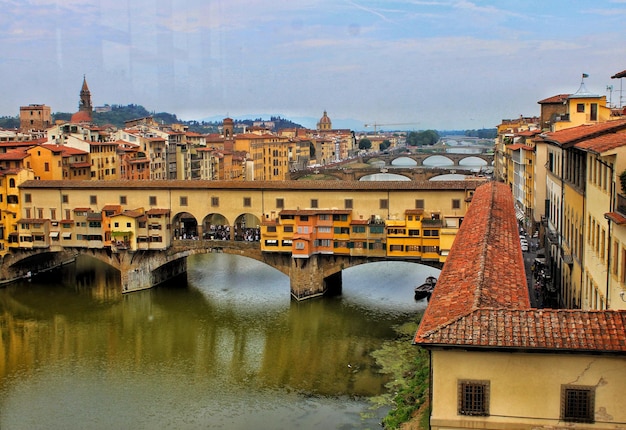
(225, 348)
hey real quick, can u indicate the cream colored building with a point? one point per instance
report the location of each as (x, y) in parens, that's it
(497, 363)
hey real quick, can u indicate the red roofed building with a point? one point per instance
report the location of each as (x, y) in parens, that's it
(497, 363)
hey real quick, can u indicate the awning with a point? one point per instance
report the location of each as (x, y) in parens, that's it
(66, 235)
(519, 214)
(54, 234)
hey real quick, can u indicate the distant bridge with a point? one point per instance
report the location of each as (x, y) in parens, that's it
(421, 158)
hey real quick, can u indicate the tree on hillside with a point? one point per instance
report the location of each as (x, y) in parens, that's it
(422, 138)
(385, 144)
(365, 143)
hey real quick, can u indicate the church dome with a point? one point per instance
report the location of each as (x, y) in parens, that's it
(325, 119)
(80, 116)
(324, 123)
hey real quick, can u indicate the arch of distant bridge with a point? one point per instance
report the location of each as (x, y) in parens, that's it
(420, 159)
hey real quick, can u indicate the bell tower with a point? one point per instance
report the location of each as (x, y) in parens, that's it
(84, 105)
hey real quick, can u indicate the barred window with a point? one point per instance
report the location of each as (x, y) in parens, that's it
(348, 203)
(473, 398)
(577, 403)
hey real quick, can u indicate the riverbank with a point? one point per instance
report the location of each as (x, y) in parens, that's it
(408, 386)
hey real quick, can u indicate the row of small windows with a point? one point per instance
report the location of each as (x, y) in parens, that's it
(577, 402)
(247, 201)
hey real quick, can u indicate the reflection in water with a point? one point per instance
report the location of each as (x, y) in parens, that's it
(473, 162)
(404, 162)
(438, 161)
(226, 348)
(449, 177)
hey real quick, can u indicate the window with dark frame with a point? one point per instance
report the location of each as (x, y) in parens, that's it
(183, 200)
(314, 203)
(384, 204)
(215, 201)
(348, 203)
(456, 203)
(153, 200)
(280, 203)
(93, 200)
(577, 403)
(419, 204)
(247, 202)
(473, 398)
(122, 200)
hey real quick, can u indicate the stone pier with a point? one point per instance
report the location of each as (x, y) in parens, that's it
(308, 280)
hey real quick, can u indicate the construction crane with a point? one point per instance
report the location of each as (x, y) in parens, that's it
(376, 125)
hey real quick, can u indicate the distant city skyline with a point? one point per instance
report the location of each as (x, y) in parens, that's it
(426, 64)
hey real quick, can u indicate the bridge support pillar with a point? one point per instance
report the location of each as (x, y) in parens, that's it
(307, 278)
(143, 276)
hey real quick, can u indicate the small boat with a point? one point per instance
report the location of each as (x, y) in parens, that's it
(426, 289)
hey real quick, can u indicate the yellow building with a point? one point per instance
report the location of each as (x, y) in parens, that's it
(11, 206)
(604, 283)
(583, 107)
(141, 230)
(581, 191)
(47, 162)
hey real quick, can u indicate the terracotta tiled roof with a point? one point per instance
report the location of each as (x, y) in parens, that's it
(571, 330)
(582, 132)
(481, 298)
(158, 211)
(616, 217)
(516, 146)
(472, 275)
(603, 143)
(112, 208)
(315, 211)
(80, 165)
(559, 98)
(69, 151)
(15, 154)
(469, 184)
(529, 133)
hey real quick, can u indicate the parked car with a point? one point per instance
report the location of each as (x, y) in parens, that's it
(524, 247)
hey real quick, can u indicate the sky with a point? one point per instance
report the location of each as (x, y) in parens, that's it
(411, 64)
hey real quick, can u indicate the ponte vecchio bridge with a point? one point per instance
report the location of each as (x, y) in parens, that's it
(147, 229)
